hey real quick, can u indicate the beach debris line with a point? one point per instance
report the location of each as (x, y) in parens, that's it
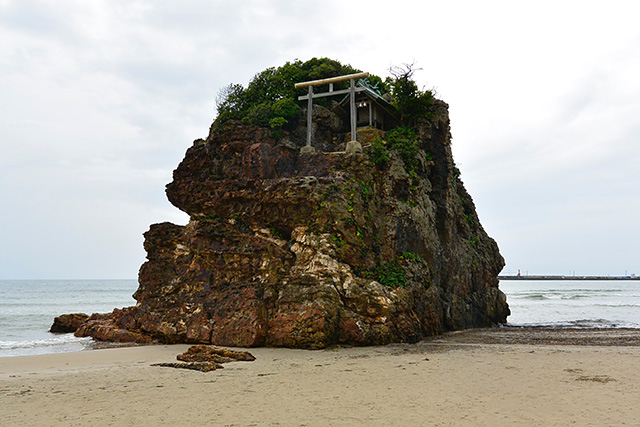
(207, 358)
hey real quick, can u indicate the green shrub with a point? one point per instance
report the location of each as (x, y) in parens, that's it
(366, 190)
(286, 108)
(411, 256)
(378, 153)
(338, 240)
(273, 115)
(392, 273)
(389, 273)
(258, 115)
(404, 141)
(410, 102)
(277, 122)
(271, 93)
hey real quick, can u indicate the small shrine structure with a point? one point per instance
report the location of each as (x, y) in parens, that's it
(367, 107)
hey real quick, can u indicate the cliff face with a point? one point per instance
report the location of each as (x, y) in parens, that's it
(311, 250)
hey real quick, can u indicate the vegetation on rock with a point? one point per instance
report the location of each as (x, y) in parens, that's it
(270, 99)
(411, 102)
(403, 140)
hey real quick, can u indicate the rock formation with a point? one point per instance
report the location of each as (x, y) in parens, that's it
(207, 358)
(312, 250)
(68, 323)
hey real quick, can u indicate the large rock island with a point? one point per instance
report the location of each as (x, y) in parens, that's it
(312, 249)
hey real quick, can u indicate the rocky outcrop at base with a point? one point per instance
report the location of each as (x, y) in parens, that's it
(312, 250)
(67, 323)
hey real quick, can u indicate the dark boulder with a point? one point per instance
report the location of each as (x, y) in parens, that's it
(68, 323)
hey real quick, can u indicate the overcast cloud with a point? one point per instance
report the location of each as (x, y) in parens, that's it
(100, 99)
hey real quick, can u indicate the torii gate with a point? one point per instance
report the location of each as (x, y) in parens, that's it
(353, 145)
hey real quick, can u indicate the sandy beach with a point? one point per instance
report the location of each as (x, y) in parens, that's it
(480, 377)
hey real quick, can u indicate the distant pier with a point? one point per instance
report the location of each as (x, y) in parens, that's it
(534, 277)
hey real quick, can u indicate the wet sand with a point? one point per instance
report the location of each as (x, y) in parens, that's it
(479, 377)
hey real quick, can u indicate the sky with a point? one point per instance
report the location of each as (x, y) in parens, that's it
(99, 100)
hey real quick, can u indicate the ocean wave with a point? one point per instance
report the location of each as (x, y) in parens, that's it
(617, 305)
(57, 341)
(575, 291)
(538, 297)
(550, 296)
(580, 324)
(576, 296)
(543, 296)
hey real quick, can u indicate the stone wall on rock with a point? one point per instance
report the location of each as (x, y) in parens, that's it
(312, 250)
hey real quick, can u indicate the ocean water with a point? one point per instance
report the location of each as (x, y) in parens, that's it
(573, 303)
(27, 309)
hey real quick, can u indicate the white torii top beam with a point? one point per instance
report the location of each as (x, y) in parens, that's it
(331, 80)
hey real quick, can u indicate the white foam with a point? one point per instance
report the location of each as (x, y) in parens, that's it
(57, 344)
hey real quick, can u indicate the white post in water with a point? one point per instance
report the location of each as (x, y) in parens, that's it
(353, 145)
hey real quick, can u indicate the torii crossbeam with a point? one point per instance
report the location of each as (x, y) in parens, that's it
(353, 145)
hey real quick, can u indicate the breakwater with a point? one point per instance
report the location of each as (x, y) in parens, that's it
(549, 277)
